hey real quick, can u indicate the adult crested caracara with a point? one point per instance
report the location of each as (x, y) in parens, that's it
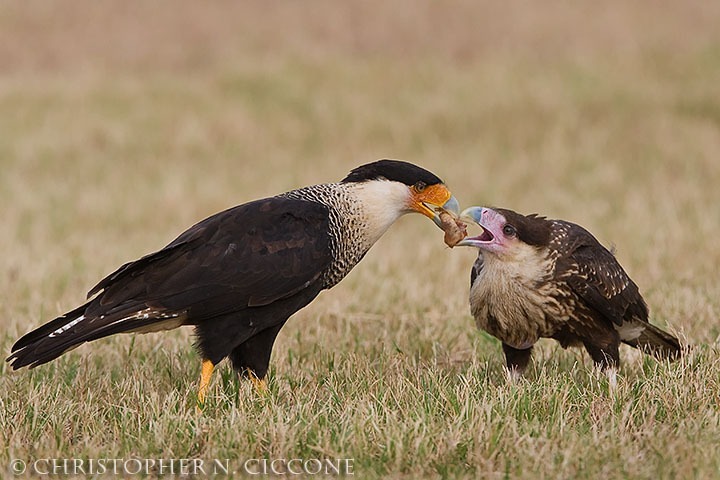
(537, 278)
(238, 275)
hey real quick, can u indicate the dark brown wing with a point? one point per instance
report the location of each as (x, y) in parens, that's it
(247, 256)
(595, 275)
(255, 253)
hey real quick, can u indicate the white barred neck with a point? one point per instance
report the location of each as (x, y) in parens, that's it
(360, 213)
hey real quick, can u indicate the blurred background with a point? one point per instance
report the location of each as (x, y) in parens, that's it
(122, 123)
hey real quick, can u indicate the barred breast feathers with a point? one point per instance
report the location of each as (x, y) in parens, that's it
(513, 299)
(359, 216)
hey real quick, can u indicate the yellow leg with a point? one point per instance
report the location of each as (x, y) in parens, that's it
(260, 384)
(205, 375)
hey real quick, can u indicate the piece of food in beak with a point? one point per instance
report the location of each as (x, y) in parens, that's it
(454, 229)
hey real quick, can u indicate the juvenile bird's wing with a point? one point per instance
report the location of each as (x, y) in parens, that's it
(594, 274)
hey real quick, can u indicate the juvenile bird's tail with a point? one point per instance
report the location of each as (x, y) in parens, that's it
(81, 325)
(657, 342)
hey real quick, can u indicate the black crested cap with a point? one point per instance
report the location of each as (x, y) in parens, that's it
(531, 229)
(394, 170)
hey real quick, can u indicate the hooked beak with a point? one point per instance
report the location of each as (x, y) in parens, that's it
(451, 206)
(475, 214)
(433, 200)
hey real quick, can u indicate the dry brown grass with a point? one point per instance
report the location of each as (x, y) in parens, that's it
(122, 124)
(181, 35)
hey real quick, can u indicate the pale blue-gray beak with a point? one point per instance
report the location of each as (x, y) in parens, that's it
(473, 214)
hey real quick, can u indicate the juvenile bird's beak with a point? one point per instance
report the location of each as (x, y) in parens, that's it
(472, 214)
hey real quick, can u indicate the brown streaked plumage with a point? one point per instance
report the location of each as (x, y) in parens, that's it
(538, 278)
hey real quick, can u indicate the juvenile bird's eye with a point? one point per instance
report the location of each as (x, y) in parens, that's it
(509, 230)
(420, 186)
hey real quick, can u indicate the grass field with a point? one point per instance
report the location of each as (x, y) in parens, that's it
(123, 124)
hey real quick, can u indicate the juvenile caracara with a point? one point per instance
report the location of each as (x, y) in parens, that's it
(238, 275)
(537, 278)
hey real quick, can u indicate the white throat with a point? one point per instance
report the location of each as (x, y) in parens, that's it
(380, 204)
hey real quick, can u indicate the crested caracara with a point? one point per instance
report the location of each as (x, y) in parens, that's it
(538, 278)
(238, 275)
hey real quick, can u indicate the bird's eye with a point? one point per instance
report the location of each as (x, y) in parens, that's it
(509, 231)
(420, 186)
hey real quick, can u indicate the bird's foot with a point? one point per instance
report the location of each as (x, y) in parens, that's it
(611, 373)
(260, 384)
(205, 376)
(513, 375)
